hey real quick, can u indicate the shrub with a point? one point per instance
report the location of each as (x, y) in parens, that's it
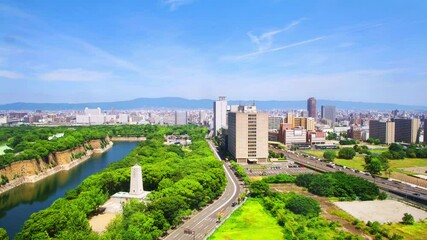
(382, 196)
(408, 219)
(347, 153)
(304, 205)
(329, 155)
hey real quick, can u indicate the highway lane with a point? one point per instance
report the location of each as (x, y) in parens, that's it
(206, 220)
(392, 186)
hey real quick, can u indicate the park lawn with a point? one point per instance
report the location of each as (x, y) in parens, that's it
(409, 232)
(355, 163)
(317, 153)
(408, 162)
(250, 221)
(378, 151)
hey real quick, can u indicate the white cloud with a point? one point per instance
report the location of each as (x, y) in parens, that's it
(10, 74)
(174, 4)
(74, 75)
(265, 40)
(269, 50)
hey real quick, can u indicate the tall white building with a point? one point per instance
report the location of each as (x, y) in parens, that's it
(123, 118)
(220, 114)
(180, 118)
(92, 116)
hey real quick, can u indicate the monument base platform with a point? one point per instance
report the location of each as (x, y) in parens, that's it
(126, 195)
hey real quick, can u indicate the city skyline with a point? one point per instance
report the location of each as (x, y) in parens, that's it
(196, 49)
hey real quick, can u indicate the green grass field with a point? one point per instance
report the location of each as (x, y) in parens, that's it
(358, 161)
(409, 232)
(250, 221)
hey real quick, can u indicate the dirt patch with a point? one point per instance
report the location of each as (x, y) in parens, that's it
(381, 211)
(417, 170)
(326, 205)
(100, 222)
(409, 179)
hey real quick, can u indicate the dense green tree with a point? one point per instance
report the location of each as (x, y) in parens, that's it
(347, 153)
(304, 205)
(329, 155)
(3, 234)
(331, 136)
(374, 166)
(260, 189)
(338, 184)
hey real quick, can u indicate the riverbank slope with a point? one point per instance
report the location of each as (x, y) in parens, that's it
(30, 171)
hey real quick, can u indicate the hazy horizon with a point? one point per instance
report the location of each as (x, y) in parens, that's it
(92, 51)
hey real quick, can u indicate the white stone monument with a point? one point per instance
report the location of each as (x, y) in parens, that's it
(136, 187)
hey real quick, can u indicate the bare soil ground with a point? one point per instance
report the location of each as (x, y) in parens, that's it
(417, 170)
(326, 205)
(409, 179)
(382, 211)
(113, 207)
(100, 222)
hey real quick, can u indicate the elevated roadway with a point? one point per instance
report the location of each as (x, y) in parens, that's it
(411, 192)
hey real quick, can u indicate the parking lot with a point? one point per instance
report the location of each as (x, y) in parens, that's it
(272, 169)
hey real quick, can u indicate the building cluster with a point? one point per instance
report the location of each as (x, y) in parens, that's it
(96, 116)
(246, 131)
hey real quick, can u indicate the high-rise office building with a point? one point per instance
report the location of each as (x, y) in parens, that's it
(92, 116)
(180, 118)
(220, 114)
(274, 123)
(425, 131)
(329, 113)
(382, 130)
(406, 130)
(311, 107)
(248, 135)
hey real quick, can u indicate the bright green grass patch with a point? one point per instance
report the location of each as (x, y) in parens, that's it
(409, 232)
(378, 151)
(250, 221)
(317, 153)
(355, 163)
(2, 148)
(408, 162)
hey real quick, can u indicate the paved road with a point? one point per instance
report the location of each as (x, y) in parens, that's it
(414, 193)
(206, 220)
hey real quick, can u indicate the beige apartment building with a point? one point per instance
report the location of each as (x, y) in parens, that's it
(308, 123)
(248, 135)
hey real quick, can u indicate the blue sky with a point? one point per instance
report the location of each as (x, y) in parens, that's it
(80, 51)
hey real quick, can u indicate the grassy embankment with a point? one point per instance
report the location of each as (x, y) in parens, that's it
(409, 232)
(250, 221)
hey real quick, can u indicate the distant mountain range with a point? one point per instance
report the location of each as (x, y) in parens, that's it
(182, 103)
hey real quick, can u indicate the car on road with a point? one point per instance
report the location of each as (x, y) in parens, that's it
(233, 204)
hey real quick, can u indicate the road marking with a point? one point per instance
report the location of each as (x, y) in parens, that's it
(232, 195)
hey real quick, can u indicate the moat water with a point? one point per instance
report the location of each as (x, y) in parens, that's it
(16, 205)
